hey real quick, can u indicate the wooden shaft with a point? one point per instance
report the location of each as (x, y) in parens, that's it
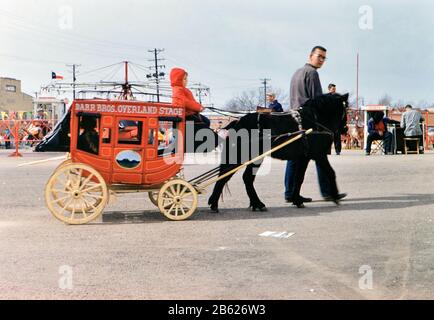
(245, 164)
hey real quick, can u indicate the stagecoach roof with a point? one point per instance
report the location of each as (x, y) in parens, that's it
(375, 107)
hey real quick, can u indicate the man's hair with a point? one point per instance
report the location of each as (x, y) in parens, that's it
(319, 48)
(331, 85)
(408, 106)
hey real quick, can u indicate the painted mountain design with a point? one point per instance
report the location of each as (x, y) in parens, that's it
(128, 159)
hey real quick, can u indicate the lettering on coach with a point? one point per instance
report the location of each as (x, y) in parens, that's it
(130, 109)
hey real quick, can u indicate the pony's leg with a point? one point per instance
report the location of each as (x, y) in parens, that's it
(300, 170)
(327, 169)
(249, 179)
(218, 189)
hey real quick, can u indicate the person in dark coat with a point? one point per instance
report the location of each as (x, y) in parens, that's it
(337, 135)
(377, 130)
(274, 105)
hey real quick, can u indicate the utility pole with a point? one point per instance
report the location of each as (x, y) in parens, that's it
(200, 89)
(74, 78)
(264, 82)
(157, 74)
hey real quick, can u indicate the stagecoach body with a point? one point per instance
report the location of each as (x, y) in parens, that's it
(118, 147)
(130, 147)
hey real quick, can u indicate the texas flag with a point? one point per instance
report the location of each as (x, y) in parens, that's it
(55, 76)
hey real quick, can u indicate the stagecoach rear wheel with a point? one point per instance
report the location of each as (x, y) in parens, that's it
(153, 196)
(177, 200)
(76, 193)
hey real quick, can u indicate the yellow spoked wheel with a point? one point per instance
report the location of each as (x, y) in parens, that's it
(76, 193)
(177, 199)
(153, 196)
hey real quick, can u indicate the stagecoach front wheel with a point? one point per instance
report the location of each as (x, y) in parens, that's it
(76, 193)
(177, 199)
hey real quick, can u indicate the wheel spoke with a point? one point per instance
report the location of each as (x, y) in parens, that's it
(170, 202)
(173, 191)
(66, 205)
(176, 211)
(168, 194)
(60, 199)
(88, 204)
(183, 191)
(78, 181)
(178, 189)
(83, 209)
(182, 209)
(85, 182)
(94, 196)
(61, 191)
(73, 210)
(92, 188)
(171, 208)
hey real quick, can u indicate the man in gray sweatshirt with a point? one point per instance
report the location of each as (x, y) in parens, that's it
(305, 85)
(410, 122)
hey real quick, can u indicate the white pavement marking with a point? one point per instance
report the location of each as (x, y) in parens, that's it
(275, 234)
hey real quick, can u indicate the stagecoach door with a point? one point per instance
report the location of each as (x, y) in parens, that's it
(128, 162)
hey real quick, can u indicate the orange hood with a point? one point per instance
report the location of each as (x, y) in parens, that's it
(177, 77)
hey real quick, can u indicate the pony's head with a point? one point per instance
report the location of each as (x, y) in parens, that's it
(329, 110)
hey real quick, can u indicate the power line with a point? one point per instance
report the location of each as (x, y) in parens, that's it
(157, 74)
(264, 82)
(200, 89)
(74, 78)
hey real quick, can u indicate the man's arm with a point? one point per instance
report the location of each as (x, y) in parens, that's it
(313, 85)
(403, 121)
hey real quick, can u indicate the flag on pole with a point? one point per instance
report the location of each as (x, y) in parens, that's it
(55, 76)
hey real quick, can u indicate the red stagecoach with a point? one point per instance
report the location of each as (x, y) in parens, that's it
(121, 146)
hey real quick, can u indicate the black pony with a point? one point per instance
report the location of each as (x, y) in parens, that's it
(325, 114)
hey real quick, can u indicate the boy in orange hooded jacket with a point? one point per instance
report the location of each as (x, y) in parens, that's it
(181, 96)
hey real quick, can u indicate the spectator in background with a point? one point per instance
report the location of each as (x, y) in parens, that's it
(410, 122)
(337, 135)
(377, 130)
(274, 105)
(332, 88)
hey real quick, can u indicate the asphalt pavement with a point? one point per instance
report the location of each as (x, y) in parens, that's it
(378, 244)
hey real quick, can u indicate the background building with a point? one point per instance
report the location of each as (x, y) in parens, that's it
(11, 97)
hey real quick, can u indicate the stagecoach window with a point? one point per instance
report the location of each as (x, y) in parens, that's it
(167, 137)
(88, 128)
(130, 132)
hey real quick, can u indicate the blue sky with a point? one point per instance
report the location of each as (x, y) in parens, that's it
(227, 45)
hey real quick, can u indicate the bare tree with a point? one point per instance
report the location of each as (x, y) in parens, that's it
(385, 100)
(248, 100)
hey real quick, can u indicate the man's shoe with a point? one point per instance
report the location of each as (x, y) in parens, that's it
(339, 197)
(303, 199)
(367, 153)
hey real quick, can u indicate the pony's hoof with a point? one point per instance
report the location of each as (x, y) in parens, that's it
(258, 208)
(214, 208)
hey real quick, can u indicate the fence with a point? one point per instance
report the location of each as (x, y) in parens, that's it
(18, 134)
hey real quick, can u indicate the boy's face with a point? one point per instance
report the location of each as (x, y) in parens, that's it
(185, 80)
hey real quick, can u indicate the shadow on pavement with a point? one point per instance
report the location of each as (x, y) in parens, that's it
(315, 208)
